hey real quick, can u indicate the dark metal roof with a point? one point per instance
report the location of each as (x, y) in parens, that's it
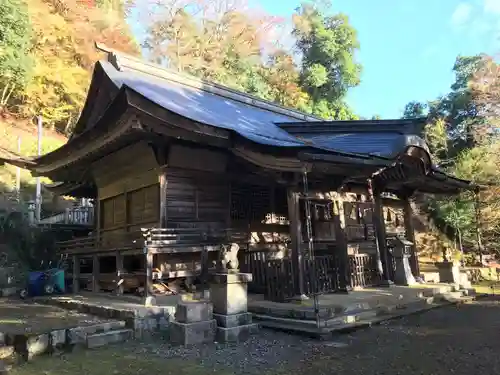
(205, 107)
(383, 138)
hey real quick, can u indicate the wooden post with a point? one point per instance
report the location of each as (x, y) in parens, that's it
(296, 239)
(410, 235)
(380, 234)
(95, 273)
(340, 250)
(76, 274)
(119, 273)
(97, 221)
(163, 198)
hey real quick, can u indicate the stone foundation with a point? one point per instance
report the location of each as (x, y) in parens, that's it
(194, 324)
(449, 272)
(192, 333)
(230, 299)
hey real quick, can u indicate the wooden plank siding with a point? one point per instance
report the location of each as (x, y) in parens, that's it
(128, 193)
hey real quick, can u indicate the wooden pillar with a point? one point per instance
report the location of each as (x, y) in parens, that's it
(76, 274)
(293, 200)
(119, 273)
(380, 233)
(340, 249)
(163, 197)
(97, 221)
(410, 235)
(95, 273)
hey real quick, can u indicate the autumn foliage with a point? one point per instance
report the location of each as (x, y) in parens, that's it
(61, 56)
(47, 55)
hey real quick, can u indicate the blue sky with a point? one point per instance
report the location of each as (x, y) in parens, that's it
(408, 47)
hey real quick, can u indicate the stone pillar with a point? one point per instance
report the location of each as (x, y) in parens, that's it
(228, 292)
(403, 274)
(194, 324)
(449, 272)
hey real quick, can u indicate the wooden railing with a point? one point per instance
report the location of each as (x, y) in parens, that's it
(155, 239)
(77, 216)
(91, 244)
(276, 278)
(363, 270)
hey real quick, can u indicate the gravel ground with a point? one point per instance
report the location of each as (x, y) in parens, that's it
(453, 340)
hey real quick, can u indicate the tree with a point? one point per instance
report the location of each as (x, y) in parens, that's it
(15, 58)
(209, 39)
(64, 33)
(463, 139)
(327, 45)
(282, 77)
(485, 87)
(415, 110)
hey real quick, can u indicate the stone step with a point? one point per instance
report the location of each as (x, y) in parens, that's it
(430, 277)
(437, 290)
(102, 327)
(360, 318)
(311, 325)
(286, 326)
(110, 337)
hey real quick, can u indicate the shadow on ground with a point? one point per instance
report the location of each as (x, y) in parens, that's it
(460, 339)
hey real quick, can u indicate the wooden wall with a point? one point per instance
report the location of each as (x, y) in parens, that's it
(128, 191)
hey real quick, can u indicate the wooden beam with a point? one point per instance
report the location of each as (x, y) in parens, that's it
(296, 237)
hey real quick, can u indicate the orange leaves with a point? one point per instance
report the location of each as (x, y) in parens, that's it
(63, 46)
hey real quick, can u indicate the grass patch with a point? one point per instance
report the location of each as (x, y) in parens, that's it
(487, 287)
(108, 361)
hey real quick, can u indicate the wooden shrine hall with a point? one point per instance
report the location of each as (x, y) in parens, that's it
(178, 167)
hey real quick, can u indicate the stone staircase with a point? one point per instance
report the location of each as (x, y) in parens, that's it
(102, 334)
(16, 348)
(359, 315)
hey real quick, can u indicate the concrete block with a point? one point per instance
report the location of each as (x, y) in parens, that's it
(229, 321)
(236, 334)
(191, 312)
(192, 333)
(110, 337)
